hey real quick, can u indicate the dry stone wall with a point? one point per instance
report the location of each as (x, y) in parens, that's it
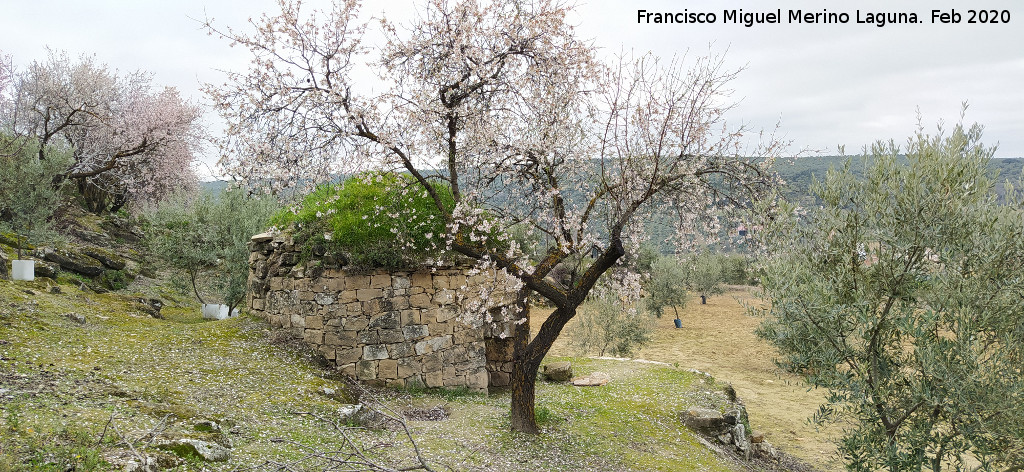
(403, 329)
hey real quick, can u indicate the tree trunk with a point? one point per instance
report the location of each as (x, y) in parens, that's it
(524, 376)
(524, 373)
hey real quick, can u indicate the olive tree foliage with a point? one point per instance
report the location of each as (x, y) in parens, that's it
(502, 103)
(207, 236)
(27, 198)
(666, 287)
(901, 295)
(705, 273)
(130, 142)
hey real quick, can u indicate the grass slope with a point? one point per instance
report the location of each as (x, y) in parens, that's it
(77, 396)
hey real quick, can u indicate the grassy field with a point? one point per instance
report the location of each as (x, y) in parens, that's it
(80, 396)
(718, 338)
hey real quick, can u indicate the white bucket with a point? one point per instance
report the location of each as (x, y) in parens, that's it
(217, 311)
(23, 270)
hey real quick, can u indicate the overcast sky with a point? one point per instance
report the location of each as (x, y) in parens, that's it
(827, 84)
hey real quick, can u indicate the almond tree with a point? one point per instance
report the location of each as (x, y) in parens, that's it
(503, 103)
(130, 141)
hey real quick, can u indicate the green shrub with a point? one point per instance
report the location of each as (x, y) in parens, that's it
(372, 220)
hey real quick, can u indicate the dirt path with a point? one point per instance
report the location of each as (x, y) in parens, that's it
(718, 338)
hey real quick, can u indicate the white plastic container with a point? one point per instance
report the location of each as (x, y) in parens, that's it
(216, 311)
(23, 270)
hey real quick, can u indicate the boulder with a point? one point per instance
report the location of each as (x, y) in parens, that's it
(105, 257)
(705, 420)
(365, 416)
(45, 269)
(75, 317)
(262, 237)
(5, 266)
(595, 379)
(73, 262)
(558, 371)
(188, 447)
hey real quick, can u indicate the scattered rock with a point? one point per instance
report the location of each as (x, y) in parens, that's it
(150, 306)
(764, 449)
(31, 292)
(365, 416)
(705, 420)
(595, 379)
(54, 289)
(327, 391)
(188, 447)
(756, 437)
(207, 426)
(76, 317)
(558, 371)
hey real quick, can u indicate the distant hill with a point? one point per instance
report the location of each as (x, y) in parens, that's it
(799, 173)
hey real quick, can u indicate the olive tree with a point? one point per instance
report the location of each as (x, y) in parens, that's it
(504, 105)
(666, 287)
(705, 274)
(203, 234)
(901, 295)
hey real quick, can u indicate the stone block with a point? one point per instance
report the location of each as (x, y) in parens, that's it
(380, 281)
(357, 282)
(391, 335)
(420, 300)
(396, 383)
(375, 352)
(400, 282)
(335, 284)
(444, 297)
(366, 370)
(327, 352)
(440, 282)
(400, 303)
(348, 296)
(340, 338)
(324, 299)
(298, 321)
(448, 372)
(347, 355)
(456, 381)
(367, 294)
(347, 369)
(258, 304)
(412, 332)
(408, 367)
(410, 317)
(444, 313)
(415, 381)
(355, 323)
(314, 322)
(387, 320)
(431, 362)
(421, 279)
(457, 281)
(468, 336)
(387, 369)
(313, 336)
(369, 336)
(477, 380)
(433, 379)
(400, 350)
(499, 379)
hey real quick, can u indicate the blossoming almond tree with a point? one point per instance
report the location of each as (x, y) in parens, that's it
(130, 141)
(503, 104)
